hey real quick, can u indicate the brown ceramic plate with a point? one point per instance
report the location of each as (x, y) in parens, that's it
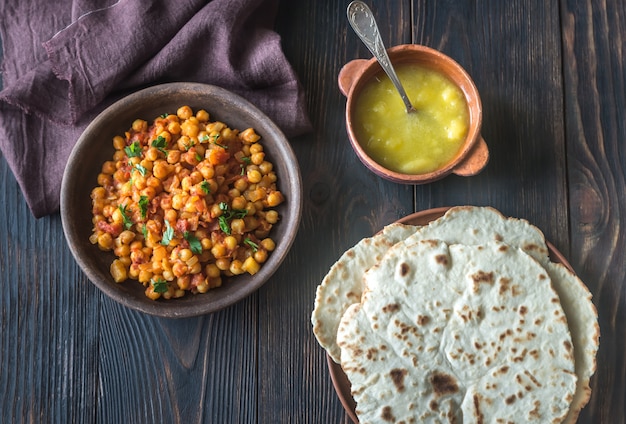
(95, 146)
(338, 377)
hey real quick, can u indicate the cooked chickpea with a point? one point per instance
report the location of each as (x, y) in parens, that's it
(230, 243)
(249, 136)
(202, 115)
(185, 255)
(238, 226)
(161, 169)
(190, 128)
(139, 125)
(257, 158)
(223, 263)
(119, 143)
(268, 244)
(271, 217)
(104, 180)
(260, 256)
(254, 175)
(274, 199)
(184, 112)
(255, 148)
(218, 250)
(118, 271)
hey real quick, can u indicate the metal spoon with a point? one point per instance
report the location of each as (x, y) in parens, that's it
(362, 21)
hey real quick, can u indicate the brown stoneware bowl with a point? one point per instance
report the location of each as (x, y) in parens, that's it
(473, 155)
(95, 146)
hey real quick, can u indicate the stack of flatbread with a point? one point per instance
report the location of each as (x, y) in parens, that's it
(463, 320)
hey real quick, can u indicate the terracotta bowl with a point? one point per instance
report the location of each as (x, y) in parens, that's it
(95, 146)
(474, 154)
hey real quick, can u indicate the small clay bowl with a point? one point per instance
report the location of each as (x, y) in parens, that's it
(474, 154)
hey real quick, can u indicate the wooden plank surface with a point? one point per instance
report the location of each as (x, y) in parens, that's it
(551, 77)
(595, 101)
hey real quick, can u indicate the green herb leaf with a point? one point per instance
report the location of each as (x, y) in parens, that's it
(194, 243)
(224, 224)
(206, 187)
(143, 206)
(168, 235)
(159, 285)
(228, 214)
(144, 230)
(239, 213)
(164, 115)
(198, 157)
(247, 160)
(134, 150)
(142, 169)
(160, 143)
(252, 244)
(215, 137)
(127, 221)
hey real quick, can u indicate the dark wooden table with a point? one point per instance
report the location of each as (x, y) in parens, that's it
(553, 83)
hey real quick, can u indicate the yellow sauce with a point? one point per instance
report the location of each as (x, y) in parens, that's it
(414, 143)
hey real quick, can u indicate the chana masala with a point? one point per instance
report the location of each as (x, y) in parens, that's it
(184, 202)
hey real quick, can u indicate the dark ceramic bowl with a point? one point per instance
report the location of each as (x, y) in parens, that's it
(95, 146)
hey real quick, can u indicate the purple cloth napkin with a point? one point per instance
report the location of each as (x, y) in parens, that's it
(65, 61)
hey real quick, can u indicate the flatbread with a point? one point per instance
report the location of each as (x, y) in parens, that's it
(582, 318)
(476, 225)
(458, 333)
(467, 225)
(343, 284)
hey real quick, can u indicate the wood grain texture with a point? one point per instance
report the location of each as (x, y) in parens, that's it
(507, 49)
(49, 318)
(552, 80)
(595, 101)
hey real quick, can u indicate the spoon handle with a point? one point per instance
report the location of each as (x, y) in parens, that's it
(362, 21)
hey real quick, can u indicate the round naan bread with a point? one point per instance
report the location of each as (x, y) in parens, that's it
(343, 284)
(458, 333)
(471, 225)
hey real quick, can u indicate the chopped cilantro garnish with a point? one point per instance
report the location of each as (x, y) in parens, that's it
(194, 243)
(144, 230)
(143, 206)
(160, 143)
(134, 150)
(228, 214)
(206, 187)
(142, 169)
(127, 221)
(198, 157)
(252, 244)
(224, 224)
(159, 285)
(168, 235)
(164, 115)
(245, 161)
(215, 137)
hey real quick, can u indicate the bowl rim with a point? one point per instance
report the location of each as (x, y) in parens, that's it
(469, 89)
(170, 308)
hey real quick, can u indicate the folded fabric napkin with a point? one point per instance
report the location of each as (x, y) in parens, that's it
(65, 61)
